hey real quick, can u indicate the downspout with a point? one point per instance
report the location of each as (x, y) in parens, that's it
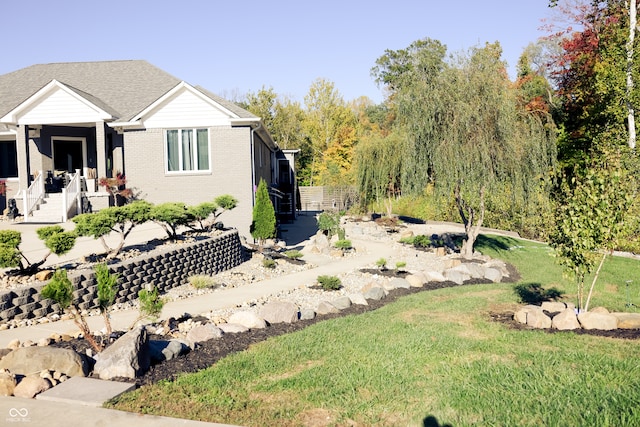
(253, 166)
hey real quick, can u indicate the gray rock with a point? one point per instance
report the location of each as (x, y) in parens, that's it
(31, 386)
(456, 275)
(342, 303)
(435, 276)
(161, 350)
(279, 312)
(358, 299)
(203, 333)
(566, 320)
(493, 274)
(307, 314)
(375, 293)
(8, 383)
(399, 283)
(128, 357)
(232, 328)
(248, 319)
(600, 321)
(26, 360)
(325, 307)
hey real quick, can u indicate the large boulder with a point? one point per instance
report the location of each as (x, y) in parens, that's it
(128, 357)
(538, 319)
(342, 303)
(416, 280)
(325, 307)
(358, 299)
(202, 333)
(26, 360)
(566, 320)
(279, 312)
(628, 320)
(600, 321)
(8, 383)
(248, 319)
(31, 386)
(375, 293)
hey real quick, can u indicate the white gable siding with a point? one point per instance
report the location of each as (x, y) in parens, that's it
(186, 109)
(59, 107)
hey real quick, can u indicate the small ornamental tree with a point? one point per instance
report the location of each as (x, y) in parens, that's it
(205, 215)
(116, 219)
(60, 290)
(107, 289)
(592, 213)
(263, 226)
(55, 238)
(117, 188)
(170, 216)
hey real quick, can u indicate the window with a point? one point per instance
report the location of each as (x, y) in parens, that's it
(8, 159)
(187, 150)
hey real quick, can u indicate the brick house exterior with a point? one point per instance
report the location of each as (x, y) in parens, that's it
(173, 141)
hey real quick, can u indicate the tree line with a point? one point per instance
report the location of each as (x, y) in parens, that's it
(456, 139)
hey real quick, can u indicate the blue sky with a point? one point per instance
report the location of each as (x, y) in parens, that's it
(234, 47)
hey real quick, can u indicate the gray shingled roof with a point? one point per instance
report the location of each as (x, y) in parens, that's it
(122, 88)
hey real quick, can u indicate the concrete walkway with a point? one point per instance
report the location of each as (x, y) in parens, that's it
(81, 408)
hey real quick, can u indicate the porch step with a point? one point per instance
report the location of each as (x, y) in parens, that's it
(49, 211)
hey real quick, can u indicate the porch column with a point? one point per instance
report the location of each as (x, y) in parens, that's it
(101, 151)
(22, 152)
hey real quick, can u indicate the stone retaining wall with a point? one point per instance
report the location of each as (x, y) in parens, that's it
(164, 269)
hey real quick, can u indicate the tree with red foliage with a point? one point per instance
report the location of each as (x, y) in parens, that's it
(590, 77)
(117, 188)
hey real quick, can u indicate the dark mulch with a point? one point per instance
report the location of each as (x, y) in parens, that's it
(209, 352)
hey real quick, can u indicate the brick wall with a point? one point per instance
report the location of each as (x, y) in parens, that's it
(230, 173)
(164, 269)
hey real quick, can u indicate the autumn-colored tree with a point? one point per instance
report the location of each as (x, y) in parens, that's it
(591, 75)
(329, 126)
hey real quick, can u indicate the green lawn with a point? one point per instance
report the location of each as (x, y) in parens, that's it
(433, 358)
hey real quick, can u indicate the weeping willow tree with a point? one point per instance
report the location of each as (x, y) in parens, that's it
(378, 166)
(467, 134)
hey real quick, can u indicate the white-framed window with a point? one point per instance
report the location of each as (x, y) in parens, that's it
(187, 150)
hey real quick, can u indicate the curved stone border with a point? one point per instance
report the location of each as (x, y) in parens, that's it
(563, 316)
(163, 269)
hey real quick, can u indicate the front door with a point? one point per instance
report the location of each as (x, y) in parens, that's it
(68, 155)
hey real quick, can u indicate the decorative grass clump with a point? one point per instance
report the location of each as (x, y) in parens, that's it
(293, 254)
(202, 281)
(330, 283)
(343, 244)
(269, 263)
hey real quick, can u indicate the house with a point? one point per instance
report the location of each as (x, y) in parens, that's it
(63, 125)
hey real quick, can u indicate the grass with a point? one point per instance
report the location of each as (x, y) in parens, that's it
(429, 357)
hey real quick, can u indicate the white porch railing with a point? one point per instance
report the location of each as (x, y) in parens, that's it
(33, 195)
(71, 196)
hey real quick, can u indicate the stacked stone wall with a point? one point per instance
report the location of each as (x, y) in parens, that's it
(163, 269)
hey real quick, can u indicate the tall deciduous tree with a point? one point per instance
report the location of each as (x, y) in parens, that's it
(468, 133)
(330, 127)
